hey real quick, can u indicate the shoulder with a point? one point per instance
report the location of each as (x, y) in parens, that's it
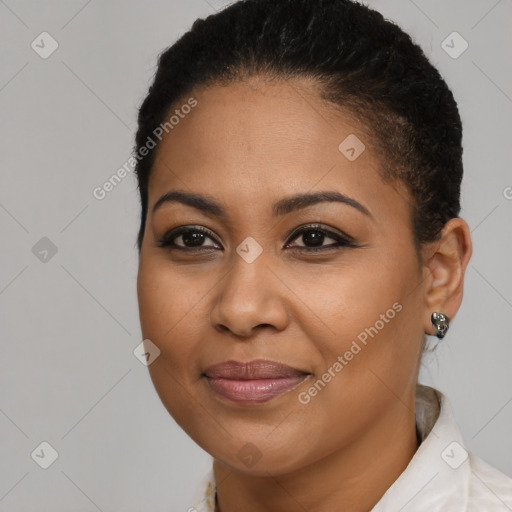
(488, 487)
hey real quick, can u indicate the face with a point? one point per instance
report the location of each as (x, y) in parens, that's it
(331, 289)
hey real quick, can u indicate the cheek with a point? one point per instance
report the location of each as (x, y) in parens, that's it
(167, 298)
(365, 313)
(342, 300)
(169, 307)
(168, 304)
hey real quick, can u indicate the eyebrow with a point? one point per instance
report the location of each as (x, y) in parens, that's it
(284, 206)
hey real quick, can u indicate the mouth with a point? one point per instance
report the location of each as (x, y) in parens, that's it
(253, 382)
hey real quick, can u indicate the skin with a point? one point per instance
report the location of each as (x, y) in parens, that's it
(248, 145)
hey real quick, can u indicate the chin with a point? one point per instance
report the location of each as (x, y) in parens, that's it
(264, 467)
(259, 457)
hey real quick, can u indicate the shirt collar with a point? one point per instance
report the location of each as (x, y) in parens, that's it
(437, 476)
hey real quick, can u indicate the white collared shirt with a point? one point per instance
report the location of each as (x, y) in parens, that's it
(442, 475)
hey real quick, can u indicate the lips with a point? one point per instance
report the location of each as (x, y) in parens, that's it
(255, 369)
(252, 382)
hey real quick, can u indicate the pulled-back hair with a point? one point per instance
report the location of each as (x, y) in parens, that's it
(362, 63)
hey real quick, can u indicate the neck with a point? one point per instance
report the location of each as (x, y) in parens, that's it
(353, 478)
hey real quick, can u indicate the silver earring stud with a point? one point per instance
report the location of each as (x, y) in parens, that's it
(441, 324)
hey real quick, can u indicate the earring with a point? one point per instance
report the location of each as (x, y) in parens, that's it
(441, 324)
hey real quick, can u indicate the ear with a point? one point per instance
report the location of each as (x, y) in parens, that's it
(444, 267)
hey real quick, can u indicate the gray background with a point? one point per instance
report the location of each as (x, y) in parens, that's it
(68, 375)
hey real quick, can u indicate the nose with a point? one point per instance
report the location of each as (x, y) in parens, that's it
(249, 297)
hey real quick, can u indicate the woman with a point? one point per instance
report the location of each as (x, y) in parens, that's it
(299, 167)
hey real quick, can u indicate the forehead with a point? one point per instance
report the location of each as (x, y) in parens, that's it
(257, 139)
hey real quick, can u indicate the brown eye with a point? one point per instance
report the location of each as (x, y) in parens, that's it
(314, 236)
(192, 238)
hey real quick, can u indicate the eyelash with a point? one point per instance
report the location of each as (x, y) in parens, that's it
(167, 241)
